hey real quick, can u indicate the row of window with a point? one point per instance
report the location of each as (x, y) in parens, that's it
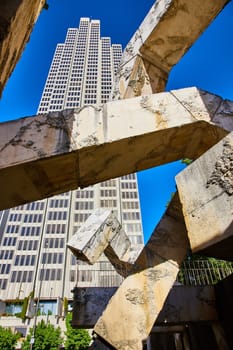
(5, 269)
(54, 243)
(108, 193)
(129, 195)
(56, 228)
(50, 274)
(81, 217)
(6, 254)
(25, 260)
(84, 205)
(130, 228)
(136, 239)
(84, 194)
(15, 217)
(108, 203)
(30, 231)
(57, 215)
(130, 205)
(12, 228)
(21, 276)
(129, 177)
(58, 203)
(33, 218)
(131, 216)
(9, 241)
(27, 245)
(128, 185)
(52, 258)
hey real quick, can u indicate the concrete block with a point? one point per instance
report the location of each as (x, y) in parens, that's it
(167, 32)
(183, 304)
(206, 192)
(56, 152)
(16, 23)
(100, 230)
(147, 286)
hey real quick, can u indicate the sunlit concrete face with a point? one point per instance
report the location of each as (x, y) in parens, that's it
(56, 152)
(102, 233)
(206, 193)
(166, 33)
(141, 296)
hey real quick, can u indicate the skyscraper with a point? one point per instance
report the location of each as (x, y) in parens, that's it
(33, 254)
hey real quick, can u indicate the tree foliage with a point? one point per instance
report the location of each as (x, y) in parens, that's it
(47, 337)
(8, 339)
(76, 339)
(186, 161)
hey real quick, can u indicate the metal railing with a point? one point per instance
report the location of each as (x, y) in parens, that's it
(192, 273)
(204, 272)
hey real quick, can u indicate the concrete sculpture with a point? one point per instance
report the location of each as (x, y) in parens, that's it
(60, 151)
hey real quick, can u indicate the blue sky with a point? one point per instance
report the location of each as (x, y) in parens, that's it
(207, 65)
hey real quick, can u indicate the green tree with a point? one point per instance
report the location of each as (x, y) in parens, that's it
(47, 337)
(8, 339)
(76, 339)
(186, 161)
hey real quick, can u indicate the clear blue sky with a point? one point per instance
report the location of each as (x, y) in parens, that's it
(208, 65)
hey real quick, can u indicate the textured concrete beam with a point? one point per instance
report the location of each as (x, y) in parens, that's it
(183, 304)
(206, 192)
(102, 233)
(140, 298)
(166, 33)
(16, 23)
(48, 154)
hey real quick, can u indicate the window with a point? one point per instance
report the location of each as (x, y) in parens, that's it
(6, 254)
(5, 269)
(25, 260)
(21, 276)
(50, 274)
(56, 228)
(131, 216)
(57, 215)
(72, 276)
(27, 245)
(52, 258)
(3, 283)
(84, 205)
(9, 241)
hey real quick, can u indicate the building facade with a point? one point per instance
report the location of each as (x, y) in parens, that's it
(33, 253)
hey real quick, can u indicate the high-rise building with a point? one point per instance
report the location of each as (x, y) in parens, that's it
(33, 253)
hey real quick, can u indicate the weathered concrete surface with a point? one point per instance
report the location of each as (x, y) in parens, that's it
(16, 23)
(88, 305)
(57, 152)
(183, 304)
(103, 233)
(95, 235)
(140, 298)
(206, 192)
(166, 33)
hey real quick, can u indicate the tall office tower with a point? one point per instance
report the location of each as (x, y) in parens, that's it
(33, 253)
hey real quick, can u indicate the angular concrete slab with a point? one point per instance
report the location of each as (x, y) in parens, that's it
(103, 233)
(183, 304)
(140, 298)
(56, 152)
(16, 23)
(206, 192)
(167, 32)
(94, 235)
